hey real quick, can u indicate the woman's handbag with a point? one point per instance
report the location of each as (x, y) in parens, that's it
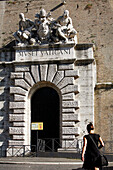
(101, 160)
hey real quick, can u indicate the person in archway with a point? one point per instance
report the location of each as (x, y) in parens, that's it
(89, 152)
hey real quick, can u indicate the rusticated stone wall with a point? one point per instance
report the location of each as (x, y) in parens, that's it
(71, 74)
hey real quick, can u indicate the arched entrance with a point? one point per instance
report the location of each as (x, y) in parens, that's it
(45, 107)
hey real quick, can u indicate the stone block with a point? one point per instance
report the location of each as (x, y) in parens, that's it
(21, 68)
(19, 111)
(69, 96)
(69, 89)
(71, 117)
(65, 81)
(2, 104)
(68, 110)
(19, 97)
(15, 142)
(16, 130)
(70, 130)
(18, 137)
(58, 77)
(70, 104)
(66, 67)
(72, 73)
(68, 124)
(43, 72)
(46, 54)
(17, 90)
(68, 137)
(35, 73)
(17, 105)
(51, 72)
(2, 90)
(18, 124)
(16, 117)
(84, 54)
(29, 79)
(22, 83)
(16, 75)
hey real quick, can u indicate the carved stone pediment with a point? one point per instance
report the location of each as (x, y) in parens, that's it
(45, 30)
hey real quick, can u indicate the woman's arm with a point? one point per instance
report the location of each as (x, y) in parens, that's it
(101, 143)
(84, 148)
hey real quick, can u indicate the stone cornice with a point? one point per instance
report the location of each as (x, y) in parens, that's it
(104, 85)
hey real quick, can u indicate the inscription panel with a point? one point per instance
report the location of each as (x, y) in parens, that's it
(45, 54)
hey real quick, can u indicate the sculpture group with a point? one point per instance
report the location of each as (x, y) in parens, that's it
(45, 29)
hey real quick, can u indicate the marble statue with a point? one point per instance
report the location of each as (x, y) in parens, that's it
(24, 34)
(42, 25)
(65, 27)
(45, 29)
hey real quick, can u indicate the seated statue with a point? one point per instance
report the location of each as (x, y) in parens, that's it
(65, 28)
(23, 35)
(45, 29)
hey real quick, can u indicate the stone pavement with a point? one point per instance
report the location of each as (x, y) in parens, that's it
(39, 160)
(43, 163)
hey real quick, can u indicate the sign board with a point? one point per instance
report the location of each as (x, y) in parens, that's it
(37, 126)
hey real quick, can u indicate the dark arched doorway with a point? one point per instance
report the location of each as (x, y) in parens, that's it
(45, 107)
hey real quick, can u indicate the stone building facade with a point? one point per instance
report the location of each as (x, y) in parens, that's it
(69, 70)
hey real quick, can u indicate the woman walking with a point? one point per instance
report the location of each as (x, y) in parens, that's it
(89, 151)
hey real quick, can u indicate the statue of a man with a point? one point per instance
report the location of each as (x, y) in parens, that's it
(23, 35)
(65, 27)
(42, 26)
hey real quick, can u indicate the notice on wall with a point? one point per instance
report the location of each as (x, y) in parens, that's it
(37, 126)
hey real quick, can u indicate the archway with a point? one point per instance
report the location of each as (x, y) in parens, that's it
(45, 107)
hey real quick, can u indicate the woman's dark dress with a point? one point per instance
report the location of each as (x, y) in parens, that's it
(91, 153)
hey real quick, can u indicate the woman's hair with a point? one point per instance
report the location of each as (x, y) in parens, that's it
(90, 127)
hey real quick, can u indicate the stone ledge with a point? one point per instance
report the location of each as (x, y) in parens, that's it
(48, 46)
(104, 85)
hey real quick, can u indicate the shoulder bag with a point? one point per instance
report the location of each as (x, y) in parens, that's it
(101, 160)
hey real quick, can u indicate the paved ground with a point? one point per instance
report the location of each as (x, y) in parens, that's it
(34, 163)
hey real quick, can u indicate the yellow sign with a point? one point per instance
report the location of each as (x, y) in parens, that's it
(37, 126)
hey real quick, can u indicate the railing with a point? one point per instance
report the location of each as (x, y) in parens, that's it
(44, 145)
(48, 145)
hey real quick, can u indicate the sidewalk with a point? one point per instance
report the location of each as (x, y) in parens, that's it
(38, 160)
(42, 161)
